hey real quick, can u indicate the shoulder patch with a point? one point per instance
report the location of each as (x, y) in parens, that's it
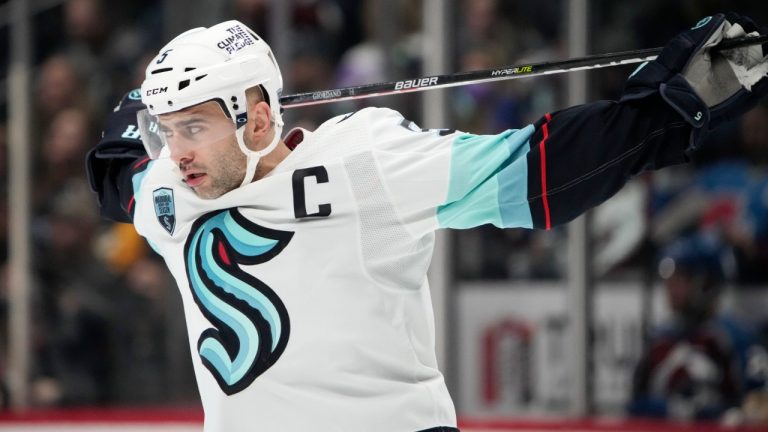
(164, 208)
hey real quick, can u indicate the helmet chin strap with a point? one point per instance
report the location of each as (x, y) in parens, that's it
(253, 157)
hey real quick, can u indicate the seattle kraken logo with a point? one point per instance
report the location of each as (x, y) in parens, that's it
(251, 322)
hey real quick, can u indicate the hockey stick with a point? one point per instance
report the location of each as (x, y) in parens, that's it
(488, 75)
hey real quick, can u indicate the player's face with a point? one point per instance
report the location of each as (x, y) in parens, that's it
(201, 141)
(679, 291)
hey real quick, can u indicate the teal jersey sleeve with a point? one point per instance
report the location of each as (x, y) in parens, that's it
(440, 178)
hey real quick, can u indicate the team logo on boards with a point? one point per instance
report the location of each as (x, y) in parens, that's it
(164, 208)
(250, 323)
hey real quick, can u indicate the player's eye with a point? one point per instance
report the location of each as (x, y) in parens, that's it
(166, 132)
(194, 130)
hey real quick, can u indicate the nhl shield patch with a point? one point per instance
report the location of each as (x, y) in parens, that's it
(164, 208)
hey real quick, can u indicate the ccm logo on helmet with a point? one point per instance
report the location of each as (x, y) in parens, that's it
(155, 91)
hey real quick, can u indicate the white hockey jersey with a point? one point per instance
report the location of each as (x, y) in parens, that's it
(305, 292)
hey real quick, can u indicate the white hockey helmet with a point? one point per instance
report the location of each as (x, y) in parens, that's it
(218, 63)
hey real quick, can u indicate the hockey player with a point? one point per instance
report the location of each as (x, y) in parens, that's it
(702, 364)
(302, 260)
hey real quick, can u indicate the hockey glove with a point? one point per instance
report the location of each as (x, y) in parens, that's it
(706, 87)
(120, 144)
(119, 140)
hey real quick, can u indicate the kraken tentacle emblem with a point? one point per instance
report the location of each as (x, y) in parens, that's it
(251, 324)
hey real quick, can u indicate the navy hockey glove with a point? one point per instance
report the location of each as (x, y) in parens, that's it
(119, 140)
(120, 145)
(705, 87)
(120, 137)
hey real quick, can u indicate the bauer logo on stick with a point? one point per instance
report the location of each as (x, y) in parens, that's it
(423, 82)
(164, 208)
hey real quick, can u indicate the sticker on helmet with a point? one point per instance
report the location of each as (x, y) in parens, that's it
(238, 39)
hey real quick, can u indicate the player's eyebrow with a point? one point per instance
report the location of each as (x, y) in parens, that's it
(185, 122)
(191, 121)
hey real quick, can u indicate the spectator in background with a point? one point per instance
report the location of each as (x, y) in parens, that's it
(88, 29)
(105, 49)
(71, 328)
(483, 24)
(86, 23)
(63, 150)
(59, 86)
(697, 365)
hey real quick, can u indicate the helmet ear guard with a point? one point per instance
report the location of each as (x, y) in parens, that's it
(253, 156)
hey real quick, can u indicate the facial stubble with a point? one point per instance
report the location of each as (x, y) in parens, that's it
(225, 172)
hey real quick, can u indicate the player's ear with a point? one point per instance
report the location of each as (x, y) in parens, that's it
(259, 125)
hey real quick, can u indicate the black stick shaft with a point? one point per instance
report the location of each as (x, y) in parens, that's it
(487, 75)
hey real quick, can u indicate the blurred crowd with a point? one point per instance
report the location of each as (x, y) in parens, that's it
(107, 326)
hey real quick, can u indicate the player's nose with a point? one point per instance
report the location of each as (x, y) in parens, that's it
(179, 152)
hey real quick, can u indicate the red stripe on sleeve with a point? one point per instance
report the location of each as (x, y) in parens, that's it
(543, 154)
(140, 162)
(135, 167)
